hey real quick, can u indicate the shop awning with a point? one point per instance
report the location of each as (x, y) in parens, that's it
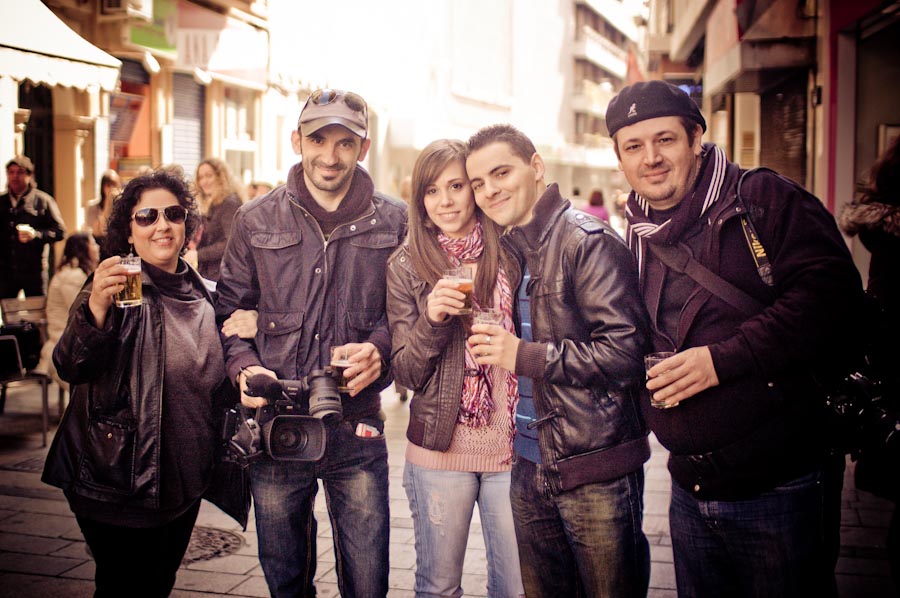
(36, 45)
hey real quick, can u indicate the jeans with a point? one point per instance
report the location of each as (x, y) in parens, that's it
(769, 546)
(354, 474)
(586, 541)
(137, 561)
(441, 503)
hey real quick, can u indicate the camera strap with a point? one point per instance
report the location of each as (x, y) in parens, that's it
(679, 258)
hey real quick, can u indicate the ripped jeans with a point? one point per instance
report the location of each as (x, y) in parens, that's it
(442, 503)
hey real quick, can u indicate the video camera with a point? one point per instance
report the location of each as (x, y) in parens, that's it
(276, 429)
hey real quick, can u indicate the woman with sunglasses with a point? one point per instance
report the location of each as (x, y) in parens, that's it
(135, 450)
(461, 420)
(218, 199)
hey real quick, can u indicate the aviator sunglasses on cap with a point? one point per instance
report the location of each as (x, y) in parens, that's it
(323, 97)
(149, 216)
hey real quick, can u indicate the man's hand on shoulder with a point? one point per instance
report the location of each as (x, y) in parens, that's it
(682, 376)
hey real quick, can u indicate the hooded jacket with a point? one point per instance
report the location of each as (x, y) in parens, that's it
(590, 332)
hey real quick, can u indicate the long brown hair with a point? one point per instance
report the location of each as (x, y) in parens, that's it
(426, 254)
(226, 185)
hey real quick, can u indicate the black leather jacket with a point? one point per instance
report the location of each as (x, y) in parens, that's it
(590, 332)
(310, 293)
(109, 441)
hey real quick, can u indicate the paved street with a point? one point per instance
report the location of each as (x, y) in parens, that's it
(42, 553)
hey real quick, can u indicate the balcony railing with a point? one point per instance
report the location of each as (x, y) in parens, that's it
(599, 50)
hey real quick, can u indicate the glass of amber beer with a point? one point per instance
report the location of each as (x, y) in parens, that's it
(464, 280)
(132, 294)
(340, 361)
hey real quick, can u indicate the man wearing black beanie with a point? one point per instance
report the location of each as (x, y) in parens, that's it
(749, 292)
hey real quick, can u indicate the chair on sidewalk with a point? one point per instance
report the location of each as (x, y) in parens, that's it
(18, 312)
(12, 373)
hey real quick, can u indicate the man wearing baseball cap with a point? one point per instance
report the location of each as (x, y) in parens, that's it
(310, 256)
(31, 222)
(752, 295)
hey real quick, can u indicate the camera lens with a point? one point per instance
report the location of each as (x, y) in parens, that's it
(295, 438)
(324, 398)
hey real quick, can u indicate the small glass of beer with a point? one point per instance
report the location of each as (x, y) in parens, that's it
(132, 294)
(464, 280)
(340, 361)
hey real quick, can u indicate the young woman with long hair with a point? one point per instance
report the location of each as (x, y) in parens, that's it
(462, 414)
(218, 198)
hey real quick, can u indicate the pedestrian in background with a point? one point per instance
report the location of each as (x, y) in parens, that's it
(595, 206)
(135, 451)
(755, 505)
(461, 421)
(81, 254)
(30, 221)
(875, 216)
(577, 484)
(311, 256)
(97, 212)
(218, 200)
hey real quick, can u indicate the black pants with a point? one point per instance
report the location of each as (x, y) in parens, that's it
(134, 561)
(11, 284)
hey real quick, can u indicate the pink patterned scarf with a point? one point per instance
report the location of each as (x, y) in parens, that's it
(477, 402)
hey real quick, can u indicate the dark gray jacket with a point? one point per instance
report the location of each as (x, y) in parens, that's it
(311, 293)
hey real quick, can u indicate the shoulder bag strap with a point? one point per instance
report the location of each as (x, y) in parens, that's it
(679, 258)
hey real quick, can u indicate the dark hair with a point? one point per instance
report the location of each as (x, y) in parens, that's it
(119, 226)
(596, 198)
(518, 142)
(426, 254)
(110, 177)
(690, 129)
(883, 185)
(77, 252)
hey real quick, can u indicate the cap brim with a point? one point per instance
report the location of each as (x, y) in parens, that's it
(311, 126)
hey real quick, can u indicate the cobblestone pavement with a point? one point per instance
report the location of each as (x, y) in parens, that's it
(42, 553)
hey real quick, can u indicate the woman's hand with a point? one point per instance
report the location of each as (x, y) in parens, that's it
(444, 301)
(492, 344)
(109, 279)
(241, 323)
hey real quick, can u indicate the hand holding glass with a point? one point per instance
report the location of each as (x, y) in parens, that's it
(651, 360)
(464, 282)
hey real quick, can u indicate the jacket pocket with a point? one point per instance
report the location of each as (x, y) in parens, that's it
(109, 452)
(279, 260)
(277, 336)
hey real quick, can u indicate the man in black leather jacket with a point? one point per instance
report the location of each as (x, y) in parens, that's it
(311, 256)
(577, 480)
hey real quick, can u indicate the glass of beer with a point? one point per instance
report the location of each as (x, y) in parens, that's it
(487, 315)
(465, 281)
(340, 361)
(132, 294)
(651, 360)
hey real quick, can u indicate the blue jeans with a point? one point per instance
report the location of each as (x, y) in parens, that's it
(769, 546)
(587, 541)
(354, 475)
(441, 503)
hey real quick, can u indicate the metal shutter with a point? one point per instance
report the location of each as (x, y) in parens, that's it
(188, 105)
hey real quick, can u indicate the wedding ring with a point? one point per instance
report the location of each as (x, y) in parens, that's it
(487, 339)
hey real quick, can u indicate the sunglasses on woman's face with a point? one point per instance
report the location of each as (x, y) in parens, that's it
(149, 216)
